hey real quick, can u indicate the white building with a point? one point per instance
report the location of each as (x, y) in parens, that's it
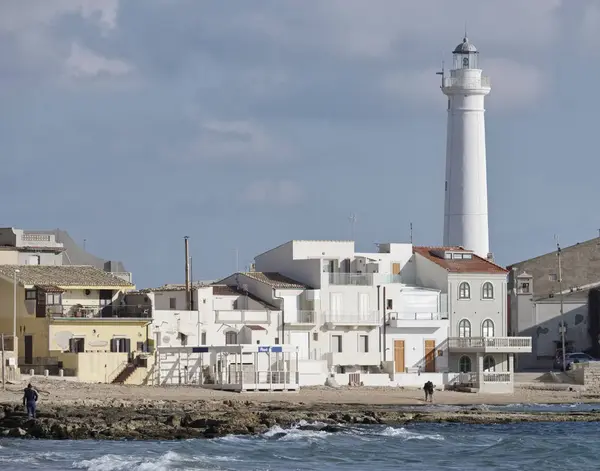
(466, 206)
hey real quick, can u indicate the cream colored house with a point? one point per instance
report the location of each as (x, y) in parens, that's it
(72, 318)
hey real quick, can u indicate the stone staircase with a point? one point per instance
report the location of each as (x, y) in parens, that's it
(125, 373)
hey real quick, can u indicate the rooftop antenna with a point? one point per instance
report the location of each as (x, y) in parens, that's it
(84, 241)
(352, 220)
(466, 35)
(442, 72)
(237, 260)
(411, 234)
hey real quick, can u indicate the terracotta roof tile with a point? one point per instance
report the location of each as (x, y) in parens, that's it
(63, 275)
(276, 280)
(473, 265)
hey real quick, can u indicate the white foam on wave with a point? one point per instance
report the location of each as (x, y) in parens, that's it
(408, 435)
(295, 432)
(164, 462)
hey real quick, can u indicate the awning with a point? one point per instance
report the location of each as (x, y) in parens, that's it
(50, 289)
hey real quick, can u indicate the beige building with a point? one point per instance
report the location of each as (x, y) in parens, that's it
(72, 318)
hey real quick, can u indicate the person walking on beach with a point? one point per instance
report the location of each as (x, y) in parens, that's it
(428, 387)
(30, 398)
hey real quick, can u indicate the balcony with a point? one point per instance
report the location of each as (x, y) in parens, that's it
(466, 83)
(352, 358)
(417, 319)
(372, 318)
(302, 318)
(362, 279)
(243, 317)
(490, 344)
(80, 311)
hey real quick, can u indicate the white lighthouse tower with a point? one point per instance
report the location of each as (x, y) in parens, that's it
(466, 205)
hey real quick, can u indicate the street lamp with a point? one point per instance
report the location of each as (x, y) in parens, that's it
(562, 319)
(15, 308)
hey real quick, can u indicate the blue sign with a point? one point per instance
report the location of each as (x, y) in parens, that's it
(263, 349)
(277, 349)
(199, 349)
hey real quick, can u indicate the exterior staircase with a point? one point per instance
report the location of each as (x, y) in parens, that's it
(125, 373)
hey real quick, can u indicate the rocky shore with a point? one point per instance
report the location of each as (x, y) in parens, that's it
(166, 420)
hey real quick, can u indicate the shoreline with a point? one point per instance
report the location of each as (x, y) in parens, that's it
(72, 410)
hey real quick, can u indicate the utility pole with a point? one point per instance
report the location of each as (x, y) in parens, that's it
(562, 320)
(411, 234)
(3, 362)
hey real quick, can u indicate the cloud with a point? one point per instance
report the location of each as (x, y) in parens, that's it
(85, 63)
(238, 141)
(279, 193)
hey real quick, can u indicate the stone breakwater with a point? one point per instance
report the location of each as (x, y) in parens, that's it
(210, 419)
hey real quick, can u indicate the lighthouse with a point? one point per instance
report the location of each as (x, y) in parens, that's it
(466, 205)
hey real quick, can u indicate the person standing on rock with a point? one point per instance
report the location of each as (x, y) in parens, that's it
(30, 398)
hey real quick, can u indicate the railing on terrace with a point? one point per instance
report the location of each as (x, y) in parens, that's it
(362, 279)
(417, 316)
(80, 311)
(489, 342)
(370, 318)
(35, 237)
(303, 317)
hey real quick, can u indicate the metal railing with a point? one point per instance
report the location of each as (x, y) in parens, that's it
(417, 316)
(369, 318)
(36, 237)
(468, 83)
(351, 279)
(80, 311)
(311, 354)
(496, 377)
(489, 342)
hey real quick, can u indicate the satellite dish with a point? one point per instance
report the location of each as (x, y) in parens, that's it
(166, 339)
(62, 339)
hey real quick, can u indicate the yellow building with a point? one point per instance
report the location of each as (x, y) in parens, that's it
(72, 318)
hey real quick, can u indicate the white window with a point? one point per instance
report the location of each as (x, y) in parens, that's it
(231, 338)
(31, 294)
(464, 291)
(489, 363)
(488, 290)
(487, 328)
(336, 343)
(363, 343)
(335, 305)
(464, 328)
(363, 305)
(464, 364)
(172, 303)
(53, 299)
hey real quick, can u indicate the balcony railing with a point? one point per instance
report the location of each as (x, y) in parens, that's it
(366, 318)
(362, 279)
(490, 344)
(417, 316)
(462, 82)
(302, 317)
(79, 311)
(243, 317)
(496, 377)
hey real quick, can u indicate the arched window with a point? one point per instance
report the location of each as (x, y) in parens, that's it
(464, 328)
(487, 328)
(231, 338)
(464, 364)
(464, 291)
(489, 363)
(488, 290)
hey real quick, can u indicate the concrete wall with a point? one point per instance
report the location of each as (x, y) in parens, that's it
(97, 334)
(414, 344)
(92, 367)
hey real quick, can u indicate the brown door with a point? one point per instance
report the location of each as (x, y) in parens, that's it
(395, 268)
(429, 356)
(399, 356)
(28, 349)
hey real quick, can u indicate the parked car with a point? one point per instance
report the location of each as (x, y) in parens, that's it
(571, 358)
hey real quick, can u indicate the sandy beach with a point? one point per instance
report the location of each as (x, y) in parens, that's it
(62, 392)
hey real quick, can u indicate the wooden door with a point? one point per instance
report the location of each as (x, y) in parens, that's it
(399, 356)
(395, 268)
(429, 356)
(28, 349)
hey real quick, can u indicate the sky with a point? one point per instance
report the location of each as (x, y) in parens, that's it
(244, 125)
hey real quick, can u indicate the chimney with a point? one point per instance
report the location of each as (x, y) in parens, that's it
(187, 274)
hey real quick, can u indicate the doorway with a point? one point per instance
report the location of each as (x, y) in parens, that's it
(28, 349)
(429, 356)
(399, 356)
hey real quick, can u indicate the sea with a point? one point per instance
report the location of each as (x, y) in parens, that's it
(547, 446)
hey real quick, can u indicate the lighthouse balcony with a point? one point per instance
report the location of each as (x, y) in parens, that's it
(467, 82)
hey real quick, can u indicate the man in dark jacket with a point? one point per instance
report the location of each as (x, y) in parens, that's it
(30, 398)
(428, 387)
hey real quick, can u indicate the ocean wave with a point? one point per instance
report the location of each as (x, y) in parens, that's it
(111, 462)
(408, 435)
